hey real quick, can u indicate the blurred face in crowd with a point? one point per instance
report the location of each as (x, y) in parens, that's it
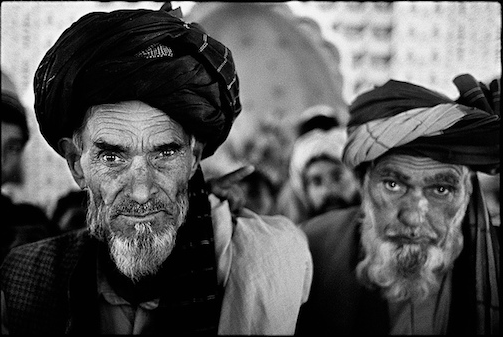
(413, 209)
(12, 150)
(329, 184)
(135, 162)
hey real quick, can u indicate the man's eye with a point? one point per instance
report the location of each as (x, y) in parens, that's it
(110, 158)
(392, 185)
(442, 190)
(167, 153)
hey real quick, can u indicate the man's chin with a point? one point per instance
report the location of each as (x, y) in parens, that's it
(143, 254)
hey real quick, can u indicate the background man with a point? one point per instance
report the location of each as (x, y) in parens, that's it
(22, 222)
(134, 100)
(318, 179)
(420, 255)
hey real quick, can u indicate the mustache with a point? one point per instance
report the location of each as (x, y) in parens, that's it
(411, 233)
(133, 208)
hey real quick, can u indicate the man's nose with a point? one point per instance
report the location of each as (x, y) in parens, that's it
(142, 183)
(413, 209)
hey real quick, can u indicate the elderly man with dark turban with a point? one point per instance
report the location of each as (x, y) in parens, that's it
(134, 100)
(420, 256)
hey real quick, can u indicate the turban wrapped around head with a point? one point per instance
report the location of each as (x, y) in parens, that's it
(407, 118)
(313, 144)
(145, 55)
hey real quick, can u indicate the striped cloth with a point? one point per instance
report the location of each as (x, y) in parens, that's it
(408, 117)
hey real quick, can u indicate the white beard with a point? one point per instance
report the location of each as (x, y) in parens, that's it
(406, 271)
(143, 252)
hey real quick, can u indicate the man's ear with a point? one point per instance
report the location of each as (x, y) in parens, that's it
(72, 155)
(196, 158)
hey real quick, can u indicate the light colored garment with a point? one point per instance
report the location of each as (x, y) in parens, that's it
(266, 268)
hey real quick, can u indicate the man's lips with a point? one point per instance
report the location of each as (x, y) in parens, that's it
(143, 217)
(406, 239)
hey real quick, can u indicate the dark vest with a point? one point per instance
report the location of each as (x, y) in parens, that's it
(50, 288)
(35, 279)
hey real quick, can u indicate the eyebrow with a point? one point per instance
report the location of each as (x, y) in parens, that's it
(386, 171)
(444, 177)
(170, 146)
(105, 146)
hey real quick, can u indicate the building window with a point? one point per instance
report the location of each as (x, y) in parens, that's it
(355, 6)
(380, 61)
(354, 31)
(435, 31)
(358, 59)
(382, 33)
(383, 6)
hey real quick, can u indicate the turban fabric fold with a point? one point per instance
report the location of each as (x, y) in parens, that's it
(145, 55)
(406, 117)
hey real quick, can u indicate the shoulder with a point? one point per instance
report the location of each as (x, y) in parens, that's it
(45, 254)
(331, 222)
(261, 231)
(335, 231)
(255, 242)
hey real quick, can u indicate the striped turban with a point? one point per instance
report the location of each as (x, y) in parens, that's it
(412, 119)
(145, 55)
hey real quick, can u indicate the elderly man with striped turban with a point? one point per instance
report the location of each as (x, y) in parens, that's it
(420, 256)
(134, 100)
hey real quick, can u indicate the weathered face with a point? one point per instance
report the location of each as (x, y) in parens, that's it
(329, 185)
(413, 210)
(12, 149)
(136, 163)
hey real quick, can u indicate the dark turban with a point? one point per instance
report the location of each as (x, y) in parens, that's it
(145, 55)
(404, 117)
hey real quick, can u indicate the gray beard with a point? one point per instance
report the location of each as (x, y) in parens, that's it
(143, 252)
(406, 271)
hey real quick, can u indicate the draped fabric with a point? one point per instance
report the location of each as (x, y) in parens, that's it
(390, 116)
(475, 305)
(405, 118)
(145, 55)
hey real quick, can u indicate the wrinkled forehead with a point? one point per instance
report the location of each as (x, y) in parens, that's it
(131, 119)
(411, 167)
